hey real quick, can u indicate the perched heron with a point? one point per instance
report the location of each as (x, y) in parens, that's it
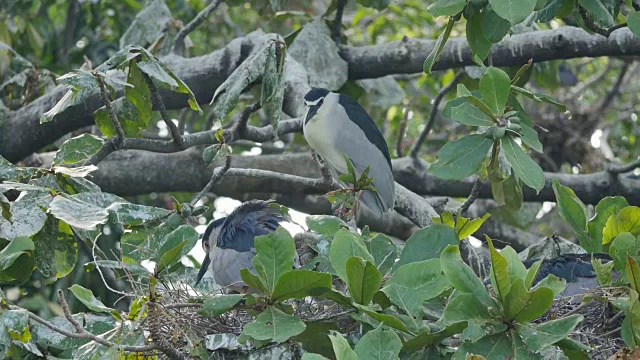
(229, 242)
(336, 126)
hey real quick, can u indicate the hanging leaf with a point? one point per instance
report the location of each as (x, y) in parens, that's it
(437, 48)
(460, 159)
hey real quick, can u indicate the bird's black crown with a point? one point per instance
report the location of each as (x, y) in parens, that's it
(315, 94)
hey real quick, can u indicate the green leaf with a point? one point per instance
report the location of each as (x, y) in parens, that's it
(384, 252)
(495, 87)
(273, 324)
(517, 270)
(428, 338)
(574, 212)
(442, 40)
(301, 283)
(133, 112)
(465, 307)
(626, 220)
(311, 356)
(498, 346)
(573, 349)
(530, 138)
(623, 244)
(462, 277)
(215, 306)
(446, 7)
(539, 97)
(386, 319)
(211, 153)
(252, 280)
(523, 306)
(525, 168)
(345, 244)
(499, 272)
(633, 273)
(325, 224)
(76, 149)
(531, 274)
(603, 271)
(414, 283)
(539, 336)
(175, 245)
(606, 207)
(78, 213)
(275, 253)
(341, 347)
(598, 12)
(86, 297)
(363, 279)
(478, 43)
(13, 251)
(460, 159)
(27, 212)
(631, 324)
(379, 344)
(494, 28)
(134, 214)
(633, 21)
(376, 4)
(55, 251)
(166, 78)
(427, 243)
(463, 112)
(513, 10)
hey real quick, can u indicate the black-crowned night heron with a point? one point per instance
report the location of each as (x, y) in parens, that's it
(576, 269)
(337, 126)
(228, 242)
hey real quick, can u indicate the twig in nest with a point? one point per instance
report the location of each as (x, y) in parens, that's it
(178, 43)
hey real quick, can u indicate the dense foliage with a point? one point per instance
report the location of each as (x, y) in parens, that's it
(87, 273)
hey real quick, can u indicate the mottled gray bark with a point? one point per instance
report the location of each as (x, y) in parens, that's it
(22, 134)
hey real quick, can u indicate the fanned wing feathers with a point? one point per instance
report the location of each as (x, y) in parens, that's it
(251, 219)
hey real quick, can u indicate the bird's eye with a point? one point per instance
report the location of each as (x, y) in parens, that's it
(321, 101)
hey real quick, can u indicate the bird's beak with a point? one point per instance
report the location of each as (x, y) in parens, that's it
(313, 109)
(203, 268)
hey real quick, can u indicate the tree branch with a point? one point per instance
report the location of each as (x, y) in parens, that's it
(595, 28)
(432, 114)
(84, 334)
(159, 104)
(204, 74)
(337, 22)
(178, 43)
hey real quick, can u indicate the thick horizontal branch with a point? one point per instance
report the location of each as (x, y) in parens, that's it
(23, 134)
(407, 56)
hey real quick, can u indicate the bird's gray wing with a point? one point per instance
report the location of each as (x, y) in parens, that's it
(367, 150)
(253, 218)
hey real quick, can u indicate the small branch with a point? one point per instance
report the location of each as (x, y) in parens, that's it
(337, 22)
(178, 43)
(83, 334)
(595, 28)
(109, 107)
(616, 169)
(325, 170)
(182, 120)
(155, 97)
(432, 115)
(238, 130)
(67, 313)
(293, 179)
(615, 90)
(401, 132)
(218, 174)
(106, 149)
(475, 191)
